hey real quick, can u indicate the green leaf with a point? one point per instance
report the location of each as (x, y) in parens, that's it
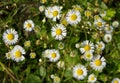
(42, 71)
(68, 73)
(33, 79)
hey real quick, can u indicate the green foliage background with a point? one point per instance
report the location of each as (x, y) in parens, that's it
(13, 13)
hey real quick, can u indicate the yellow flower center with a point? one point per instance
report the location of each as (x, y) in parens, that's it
(58, 31)
(115, 81)
(99, 24)
(88, 55)
(10, 36)
(92, 78)
(98, 62)
(73, 17)
(54, 55)
(55, 13)
(88, 13)
(79, 72)
(43, 1)
(108, 28)
(18, 54)
(29, 25)
(87, 48)
(100, 46)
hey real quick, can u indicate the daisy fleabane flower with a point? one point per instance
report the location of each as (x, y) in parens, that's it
(88, 56)
(28, 25)
(59, 31)
(79, 72)
(92, 78)
(87, 46)
(108, 38)
(100, 45)
(54, 55)
(73, 17)
(116, 80)
(99, 23)
(10, 36)
(48, 12)
(108, 29)
(17, 53)
(98, 63)
(55, 12)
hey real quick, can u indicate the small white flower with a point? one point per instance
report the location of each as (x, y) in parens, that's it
(48, 12)
(28, 25)
(61, 64)
(98, 63)
(73, 17)
(100, 45)
(107, 38)
(108, 29)
(61, 45)
(77, 45)
(115, 24)
(96, 17)
(116, 80)
(40, 60)
(79, 72)
(17, 53)
(103, 14)
(55, 12)
(10, 36)
(41, 8)
(88, 56)
(46, 53)
(99, 24)
(8, 55)
(88, 13)
(87, 46)
(59, 31)
(92, 78)
(54, 55)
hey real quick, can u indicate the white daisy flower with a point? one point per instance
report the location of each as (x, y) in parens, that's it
(61, 45)
(92, 78)
(59, 31)
(115, 24)
(10, 36)
(79, 72)
(108, 29)
(56, 10)
(107, 38)
(41, 8)
(17, 53)
(8, 55)
(116, 80)
(88, 13)
(98, 63)
(48, 12)
(99, 24)
(96, 17)
(100, 45)
(54, 55)
(28, 25)
(103, 14)
(87, 46)
(73, 17)
(88, 56)
(61, 64)
(46, 53)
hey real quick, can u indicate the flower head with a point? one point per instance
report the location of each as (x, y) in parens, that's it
(10, 36)
(73, 17)
(79, 72)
